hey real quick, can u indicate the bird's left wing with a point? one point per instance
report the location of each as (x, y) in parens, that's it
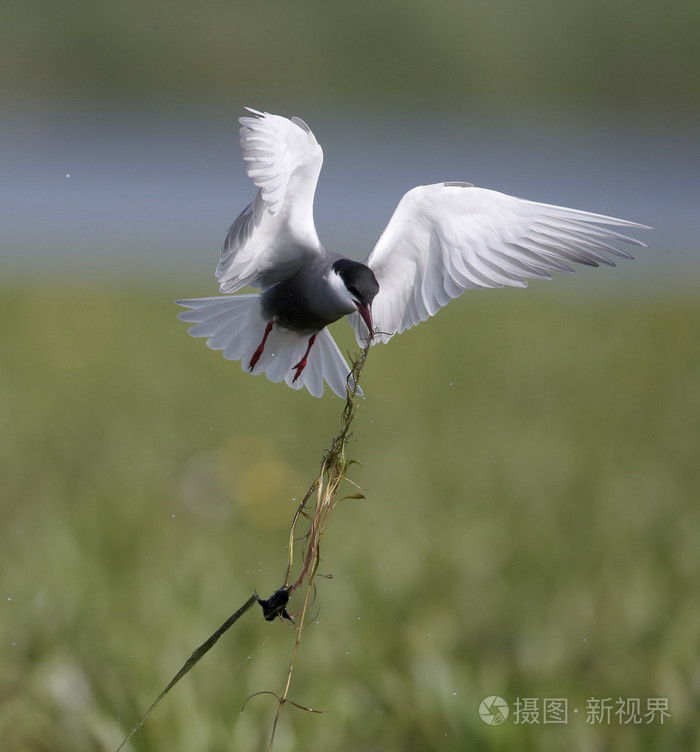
(274, 234)
(450, 237)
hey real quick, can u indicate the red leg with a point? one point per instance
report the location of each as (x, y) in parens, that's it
(301, 365)
(256, 355)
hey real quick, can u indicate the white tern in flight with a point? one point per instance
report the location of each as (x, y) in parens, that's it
(443, 239)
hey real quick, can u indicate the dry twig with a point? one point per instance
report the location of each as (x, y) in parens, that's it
(324, 490)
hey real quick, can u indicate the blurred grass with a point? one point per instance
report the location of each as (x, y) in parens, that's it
(579, 54)
(531, 527)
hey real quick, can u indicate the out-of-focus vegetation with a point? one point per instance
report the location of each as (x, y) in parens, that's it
(530, 459)
(530, 528)
(574, 53)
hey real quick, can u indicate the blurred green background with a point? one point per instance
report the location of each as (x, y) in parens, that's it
(530, 458)
(578, 53)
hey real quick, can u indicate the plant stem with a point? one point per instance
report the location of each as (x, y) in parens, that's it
(325, 487)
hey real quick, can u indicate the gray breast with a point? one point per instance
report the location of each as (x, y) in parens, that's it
(305, 303)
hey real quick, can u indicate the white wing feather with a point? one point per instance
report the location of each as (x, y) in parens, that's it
(446, 238)
(275, 234)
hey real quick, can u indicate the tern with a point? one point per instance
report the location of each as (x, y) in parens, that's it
(442, 239)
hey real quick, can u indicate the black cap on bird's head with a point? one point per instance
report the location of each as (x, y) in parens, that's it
(361, 283)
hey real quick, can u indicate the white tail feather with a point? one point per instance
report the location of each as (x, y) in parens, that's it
(235, 325)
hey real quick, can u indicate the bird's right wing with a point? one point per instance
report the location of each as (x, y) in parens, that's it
(275, 234)
(444, 239)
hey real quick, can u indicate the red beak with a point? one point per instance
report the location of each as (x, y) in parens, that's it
(366, 312)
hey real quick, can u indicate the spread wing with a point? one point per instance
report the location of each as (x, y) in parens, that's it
(275, 234)
(447, 238)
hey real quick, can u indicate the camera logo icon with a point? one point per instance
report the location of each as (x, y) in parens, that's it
(493, 710)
